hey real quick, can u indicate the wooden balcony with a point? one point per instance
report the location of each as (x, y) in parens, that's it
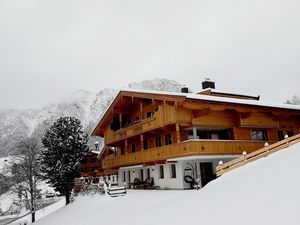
(186, 148)
(91, 165)
(164, 115)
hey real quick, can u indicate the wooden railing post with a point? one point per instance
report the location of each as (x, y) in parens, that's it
(263, 152)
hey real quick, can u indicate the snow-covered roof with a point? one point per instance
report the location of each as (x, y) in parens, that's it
(212, 90)
(219, 99)
(208, 98)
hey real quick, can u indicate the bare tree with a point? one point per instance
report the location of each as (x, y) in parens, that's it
(295, 100)
(24, 170)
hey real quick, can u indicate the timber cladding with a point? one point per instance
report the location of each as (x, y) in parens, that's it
(148, 127)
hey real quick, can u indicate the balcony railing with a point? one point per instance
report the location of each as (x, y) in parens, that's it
(89, 165)
(186, 148)
(164, 115)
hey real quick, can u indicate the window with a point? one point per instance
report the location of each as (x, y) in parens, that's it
(133, 147)
(280, 135)
(148, 173)
(129, 178)
(124, 176)
(259, 135)
(290, 133)
(158, 141)
(142, 174)
(146, 146)
(161, 172)
(122, 150)
(168, 139)
(149, 114)
(173, 171)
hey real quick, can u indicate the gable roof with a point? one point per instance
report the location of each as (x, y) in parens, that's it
(178, 96)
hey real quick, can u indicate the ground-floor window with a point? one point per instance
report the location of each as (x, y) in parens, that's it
(161, 172)
(129, 178)
(148, 173)
(173, 170)
(124, 176)
(142, 174)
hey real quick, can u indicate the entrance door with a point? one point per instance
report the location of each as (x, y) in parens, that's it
(206, 171)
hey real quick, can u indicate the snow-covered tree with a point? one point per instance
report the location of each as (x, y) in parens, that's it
(65, 146)
(295, 100)
(24, 170)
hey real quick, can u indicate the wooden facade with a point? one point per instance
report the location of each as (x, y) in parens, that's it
(151, 127)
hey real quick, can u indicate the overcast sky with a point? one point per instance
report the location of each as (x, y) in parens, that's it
(48, 49)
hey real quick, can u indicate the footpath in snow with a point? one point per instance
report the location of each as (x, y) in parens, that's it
(266, 192)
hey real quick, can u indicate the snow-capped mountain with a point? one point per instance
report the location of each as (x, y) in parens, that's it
(85, 105)
(158, 85)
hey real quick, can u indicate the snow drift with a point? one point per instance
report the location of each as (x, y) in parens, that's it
(263, 192)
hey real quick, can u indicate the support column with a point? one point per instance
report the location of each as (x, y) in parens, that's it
(142, 142)
(141, 108)
(177, 133)
(194, 133)
(126, 147)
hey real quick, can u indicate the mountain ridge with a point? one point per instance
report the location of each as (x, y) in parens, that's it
(87, 106)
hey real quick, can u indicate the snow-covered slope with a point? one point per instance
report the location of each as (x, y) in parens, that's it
(265, 192)
(85, 105)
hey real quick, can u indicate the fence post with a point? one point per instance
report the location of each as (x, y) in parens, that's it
(286, 137)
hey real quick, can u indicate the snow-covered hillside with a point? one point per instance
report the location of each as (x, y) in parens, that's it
(85, 105)
(265, 192)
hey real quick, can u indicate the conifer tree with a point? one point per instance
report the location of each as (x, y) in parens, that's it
(65, 146)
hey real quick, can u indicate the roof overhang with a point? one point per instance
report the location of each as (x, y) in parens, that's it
(179, 97)
(111, 110)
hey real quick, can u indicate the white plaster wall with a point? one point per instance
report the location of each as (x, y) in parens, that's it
(215, 163)
(167, 182)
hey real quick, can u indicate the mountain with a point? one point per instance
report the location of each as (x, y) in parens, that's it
(85, 105)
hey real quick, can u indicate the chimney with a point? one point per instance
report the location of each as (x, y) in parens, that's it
(207, 83)
(185, 90)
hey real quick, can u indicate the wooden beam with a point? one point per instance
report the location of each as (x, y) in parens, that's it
(201, 112)
(141, 108)
(142, 142)
(177, 133)
(126, 147)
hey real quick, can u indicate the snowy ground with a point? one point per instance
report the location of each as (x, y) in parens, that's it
(44, 212)
(8, 199)
(264, 192)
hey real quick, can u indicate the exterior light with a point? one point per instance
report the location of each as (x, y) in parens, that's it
(286, 136)
(96, 145)
(266, 144)
(220, 163)
(244, 153)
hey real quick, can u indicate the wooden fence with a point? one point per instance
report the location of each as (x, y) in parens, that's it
(247, 158)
